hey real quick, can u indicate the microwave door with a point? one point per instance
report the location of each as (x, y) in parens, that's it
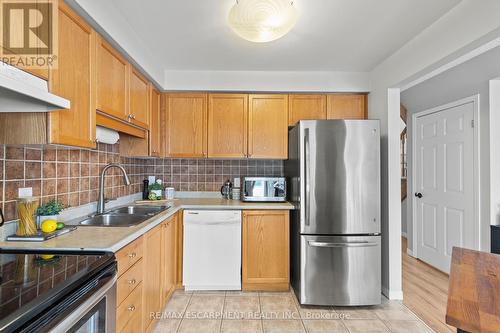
(277, 189)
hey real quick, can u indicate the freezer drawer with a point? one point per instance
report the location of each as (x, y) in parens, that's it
(340, 270)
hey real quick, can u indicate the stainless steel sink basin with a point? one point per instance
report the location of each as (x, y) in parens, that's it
(123, 216)
(114, 220)
(139, 210)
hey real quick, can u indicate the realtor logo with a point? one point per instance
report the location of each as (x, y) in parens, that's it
(28, 32)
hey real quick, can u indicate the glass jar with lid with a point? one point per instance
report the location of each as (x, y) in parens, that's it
(26, 210)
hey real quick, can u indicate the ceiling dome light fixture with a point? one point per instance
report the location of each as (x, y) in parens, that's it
(262, 21)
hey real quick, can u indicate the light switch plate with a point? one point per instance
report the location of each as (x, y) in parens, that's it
(25, 192)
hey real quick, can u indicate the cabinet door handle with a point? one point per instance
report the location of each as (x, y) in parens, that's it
(132, 255)
(133, 281)
(131, 308)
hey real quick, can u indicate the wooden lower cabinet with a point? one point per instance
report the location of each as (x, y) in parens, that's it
(129, 312)
(129, 255)
(179, 237)
(266, 250)
(169, 258)
(128, 281)
(129, 288)
(151, 295)
(147, 273)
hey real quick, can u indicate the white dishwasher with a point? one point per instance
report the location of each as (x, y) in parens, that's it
(212, 250)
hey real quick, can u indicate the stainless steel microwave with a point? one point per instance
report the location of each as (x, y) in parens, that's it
(265, 189)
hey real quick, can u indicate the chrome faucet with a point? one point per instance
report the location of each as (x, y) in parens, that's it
(100, 201)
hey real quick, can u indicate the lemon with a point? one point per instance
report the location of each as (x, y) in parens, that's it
(49, 226)
(47, 256)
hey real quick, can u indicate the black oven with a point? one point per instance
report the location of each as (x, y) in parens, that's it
(57, 292)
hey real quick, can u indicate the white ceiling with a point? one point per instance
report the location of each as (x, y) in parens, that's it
(331, 35)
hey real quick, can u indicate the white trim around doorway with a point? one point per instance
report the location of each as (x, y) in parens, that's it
(476, 167)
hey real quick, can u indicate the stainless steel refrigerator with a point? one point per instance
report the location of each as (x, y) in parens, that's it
(333, 175)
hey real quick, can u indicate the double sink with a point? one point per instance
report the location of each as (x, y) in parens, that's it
(127, 216)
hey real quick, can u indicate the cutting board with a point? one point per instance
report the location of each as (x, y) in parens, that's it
(41, 236)
(154, 201)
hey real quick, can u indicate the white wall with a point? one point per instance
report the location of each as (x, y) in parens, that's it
(267, 81)
(452, 36)
(465, 80)
(107, 21)
(494, 101)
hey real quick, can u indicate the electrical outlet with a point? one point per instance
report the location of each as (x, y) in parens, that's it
(23, 192)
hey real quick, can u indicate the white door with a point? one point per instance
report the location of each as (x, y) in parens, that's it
(444, 186)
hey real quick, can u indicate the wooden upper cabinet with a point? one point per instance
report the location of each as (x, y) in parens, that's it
(154, 133)
(74, 80)
(139, 99)
(347, 106)
(227, 125)
(268, 126)
(306, 107)
(265, 250)
(184, 124)
(112, 81)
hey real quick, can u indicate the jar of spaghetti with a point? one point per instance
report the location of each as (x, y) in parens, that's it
(26, 209)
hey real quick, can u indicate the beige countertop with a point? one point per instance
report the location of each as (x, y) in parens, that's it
(87, 238)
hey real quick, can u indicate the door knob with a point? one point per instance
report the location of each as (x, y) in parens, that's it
(419, 195)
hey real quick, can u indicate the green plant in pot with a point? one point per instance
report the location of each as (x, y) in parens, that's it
(49, 211)
(156, 190)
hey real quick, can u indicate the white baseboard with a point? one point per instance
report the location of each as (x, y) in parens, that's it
(394, 295)
(410, 253)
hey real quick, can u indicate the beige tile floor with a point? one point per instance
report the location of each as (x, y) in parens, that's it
(247, 312)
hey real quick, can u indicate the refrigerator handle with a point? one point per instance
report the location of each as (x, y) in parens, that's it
(307, 176)
(348, 244)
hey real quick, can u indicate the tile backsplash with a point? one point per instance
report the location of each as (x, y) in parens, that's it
(72, 175)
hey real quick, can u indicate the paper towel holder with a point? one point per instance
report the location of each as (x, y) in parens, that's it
(106, 135)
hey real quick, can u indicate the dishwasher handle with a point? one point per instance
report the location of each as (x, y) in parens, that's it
(228, 222)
